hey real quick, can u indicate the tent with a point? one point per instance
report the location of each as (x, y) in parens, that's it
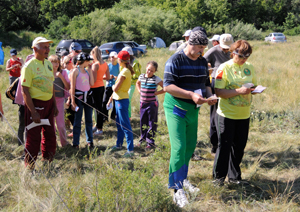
(1, 54)
(175, 45)
(157, 42)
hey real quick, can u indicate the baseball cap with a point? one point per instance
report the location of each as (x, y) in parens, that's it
(75, 46)
(82, 56)
(13, 52)
(215, 37)
(128, 49)
(124, 55)
(64, 53)
(226, 40)
(187, 33)
(40, 40)
(113, 54)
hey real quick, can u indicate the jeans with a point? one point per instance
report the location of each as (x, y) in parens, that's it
(88, 112)
(123, 124)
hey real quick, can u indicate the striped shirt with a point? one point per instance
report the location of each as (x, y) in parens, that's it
(187, 74)
(148, 88)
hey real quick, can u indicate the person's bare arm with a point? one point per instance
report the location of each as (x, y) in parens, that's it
(95, 68)
(91, 77)
(66, 83)
(107, 75)
(161, 84)
(228, 93)
(117, 86)
(138, 86)
(29, 103)
(72, 89)
(8, 67)
(209, 94)
(184, 94)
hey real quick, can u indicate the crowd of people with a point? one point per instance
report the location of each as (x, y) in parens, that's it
(52, 87)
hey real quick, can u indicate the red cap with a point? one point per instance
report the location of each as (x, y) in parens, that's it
(124, 55)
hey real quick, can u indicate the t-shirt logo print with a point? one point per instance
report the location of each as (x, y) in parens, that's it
(247, 72)
(49, 68)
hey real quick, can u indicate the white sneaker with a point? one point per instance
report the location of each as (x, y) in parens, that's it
(180, 198)
(187, 185)
(98, 132)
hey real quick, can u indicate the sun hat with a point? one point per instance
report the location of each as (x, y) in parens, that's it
(113, 54)
(76, 46)
(40, 40)
(215, 37)
(82, 56)
(187, 33)
(13, 52)
(225, 41)
(124, 55)
(128, 49)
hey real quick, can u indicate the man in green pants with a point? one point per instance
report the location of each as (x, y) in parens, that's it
(186, 81)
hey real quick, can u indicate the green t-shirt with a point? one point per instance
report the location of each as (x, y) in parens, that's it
(232, 76)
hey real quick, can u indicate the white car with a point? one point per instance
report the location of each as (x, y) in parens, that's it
(276, 37)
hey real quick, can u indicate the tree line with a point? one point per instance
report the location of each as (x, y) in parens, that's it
(140, 20)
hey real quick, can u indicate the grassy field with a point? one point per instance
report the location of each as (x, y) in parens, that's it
(98, 180)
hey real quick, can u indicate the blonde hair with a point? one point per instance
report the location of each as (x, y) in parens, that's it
(55, 58)
(66, 60)
(97, 54)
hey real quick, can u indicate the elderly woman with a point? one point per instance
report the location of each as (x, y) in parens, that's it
(232, 118)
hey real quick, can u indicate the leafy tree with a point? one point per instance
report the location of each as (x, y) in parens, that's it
(290, 21)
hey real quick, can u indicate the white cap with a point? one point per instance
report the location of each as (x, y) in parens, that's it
(187, 33)
(113, 54)
(128, 49)
(226, 40)
(215, 37)
(40, 40)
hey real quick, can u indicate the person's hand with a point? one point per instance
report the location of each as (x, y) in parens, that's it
(73, 107)
(244, 91)
(212, 102)
(111, 76)
(58, 74)
(55, 111)
(17, 65)
(198, 99)
(68, 102)
(36, 117)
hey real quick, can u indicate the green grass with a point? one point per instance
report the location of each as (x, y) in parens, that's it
(99, 180)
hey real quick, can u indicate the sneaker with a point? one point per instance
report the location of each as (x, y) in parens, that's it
(214, 149)
(70, 134)
(218, 182)
(196, 157)
(115, 148)
(91, 145)
(190, 187)
(151, 146)
(95, 129)
(98, 132)
(180, 198)
(238, 182)
(128, 154)
(75, 146)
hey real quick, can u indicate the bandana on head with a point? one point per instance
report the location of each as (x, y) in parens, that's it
(198, 38)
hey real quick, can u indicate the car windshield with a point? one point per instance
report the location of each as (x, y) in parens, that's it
(107, 45)
(278, 34)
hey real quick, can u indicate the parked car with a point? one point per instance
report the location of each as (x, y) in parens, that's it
(64, 45)
(117, 46)
(276, 37)
(133, 44)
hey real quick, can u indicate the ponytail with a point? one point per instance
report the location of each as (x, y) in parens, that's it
(130, 68)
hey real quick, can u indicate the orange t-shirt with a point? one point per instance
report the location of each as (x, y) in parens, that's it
(101, 71)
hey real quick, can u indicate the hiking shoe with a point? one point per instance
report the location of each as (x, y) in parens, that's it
(95, 129)
(218, 182)
(238, 182)
(91, 145)
(115, 148)
(187, 185)
(98, 132)
(150, 146)
(128, 154)
(180, 198)
(75, 146)
(214, 149)
(196, 157)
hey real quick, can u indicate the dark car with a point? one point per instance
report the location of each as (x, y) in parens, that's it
(64, 45)
(117, 46)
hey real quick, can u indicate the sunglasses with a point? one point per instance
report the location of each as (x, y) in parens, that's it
(77, 51)
(242, 56)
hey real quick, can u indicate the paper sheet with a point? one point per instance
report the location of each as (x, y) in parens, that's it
(214, 97)
(43, 122)
(110, 106)
(259, 89)
(248, 85)
(198, 92)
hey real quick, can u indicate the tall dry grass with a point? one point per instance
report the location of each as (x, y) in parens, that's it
(97, 180)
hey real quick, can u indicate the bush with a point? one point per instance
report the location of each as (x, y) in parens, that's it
(272, 26)
(240, 30)
(294, 31)
(59, 28)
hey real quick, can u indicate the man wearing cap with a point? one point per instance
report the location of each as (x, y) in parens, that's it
(75, 49)
(215, 57)
(186, 36)
(215, 40)
(186, 81)
(114, 72)
(14, 65)
(38, 92)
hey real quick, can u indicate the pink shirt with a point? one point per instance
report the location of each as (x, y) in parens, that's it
(82, 82)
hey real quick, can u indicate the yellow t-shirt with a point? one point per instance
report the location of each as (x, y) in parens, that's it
(122, 93)
(39, 78)
(231, 76)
